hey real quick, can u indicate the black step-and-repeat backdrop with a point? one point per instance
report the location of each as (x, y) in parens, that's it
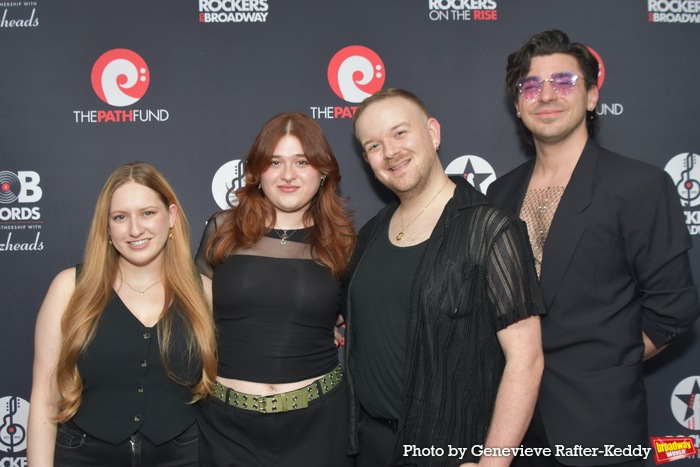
(86, 86)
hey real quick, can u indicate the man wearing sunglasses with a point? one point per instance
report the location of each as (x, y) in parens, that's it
(610, 243)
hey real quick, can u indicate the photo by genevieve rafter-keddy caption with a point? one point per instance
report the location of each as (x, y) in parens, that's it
(607, 451)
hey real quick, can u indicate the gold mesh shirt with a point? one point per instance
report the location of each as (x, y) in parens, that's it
(537, 211)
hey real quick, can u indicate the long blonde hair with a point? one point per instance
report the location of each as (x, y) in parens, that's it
(94, 289)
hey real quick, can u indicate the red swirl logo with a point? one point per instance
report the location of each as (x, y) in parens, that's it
(120, 77)
(601, 67)
(355, 73)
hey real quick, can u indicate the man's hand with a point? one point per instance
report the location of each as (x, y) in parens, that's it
(650, 350)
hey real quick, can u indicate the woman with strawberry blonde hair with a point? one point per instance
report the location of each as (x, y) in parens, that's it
(125, 341)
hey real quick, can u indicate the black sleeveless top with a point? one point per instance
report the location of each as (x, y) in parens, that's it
(275, 309)
(125, 386)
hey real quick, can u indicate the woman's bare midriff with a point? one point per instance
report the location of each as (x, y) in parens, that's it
(264, 389)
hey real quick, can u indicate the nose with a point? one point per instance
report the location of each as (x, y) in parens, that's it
(548, 93)
(135, 227)
(289, 173)
(390, 150)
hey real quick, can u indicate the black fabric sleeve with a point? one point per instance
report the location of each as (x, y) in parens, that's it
(513, 288)
(200, 259)
(656, 245)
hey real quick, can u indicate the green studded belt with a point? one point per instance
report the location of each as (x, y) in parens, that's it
(282, 402)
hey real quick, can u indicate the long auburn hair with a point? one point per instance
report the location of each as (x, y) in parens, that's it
(332, 237)
(94, 289)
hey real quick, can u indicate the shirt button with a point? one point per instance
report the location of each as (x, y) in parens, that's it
(146, 335)
(144, 363)
(140, 388)
(137, 418)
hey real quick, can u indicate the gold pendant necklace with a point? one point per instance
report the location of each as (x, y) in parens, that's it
(401, 235)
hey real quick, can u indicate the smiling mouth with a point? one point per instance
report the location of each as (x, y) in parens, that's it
(139, 242)
(401, 165)
(549, 111)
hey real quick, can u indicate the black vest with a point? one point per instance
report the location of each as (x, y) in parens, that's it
(125, 386)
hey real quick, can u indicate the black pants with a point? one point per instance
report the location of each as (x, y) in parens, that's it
(377, 440)
(75, 448)
(315, 436)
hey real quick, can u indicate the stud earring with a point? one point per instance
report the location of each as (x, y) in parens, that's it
(259, 186)
(517, 114)
(110, 242)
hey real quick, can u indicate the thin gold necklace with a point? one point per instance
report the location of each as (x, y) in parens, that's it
(401, 235)
(141, 291)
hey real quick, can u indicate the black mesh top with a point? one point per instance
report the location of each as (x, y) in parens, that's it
(274, 309)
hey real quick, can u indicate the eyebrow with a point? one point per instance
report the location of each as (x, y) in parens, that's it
(399, 124)
(554, 73)
(145, 208)
(289, 155)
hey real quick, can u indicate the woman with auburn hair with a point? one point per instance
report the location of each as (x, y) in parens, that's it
(276, 259)
(125, 341)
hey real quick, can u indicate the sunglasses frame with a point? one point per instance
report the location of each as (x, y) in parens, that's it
(559, 88)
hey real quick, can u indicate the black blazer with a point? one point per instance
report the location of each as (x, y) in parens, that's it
(614, 264)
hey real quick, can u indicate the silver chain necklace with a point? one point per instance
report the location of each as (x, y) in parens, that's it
(284, 235)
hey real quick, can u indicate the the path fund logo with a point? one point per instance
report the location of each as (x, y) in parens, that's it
(608, 109)
(120, 78)
(354, 73)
